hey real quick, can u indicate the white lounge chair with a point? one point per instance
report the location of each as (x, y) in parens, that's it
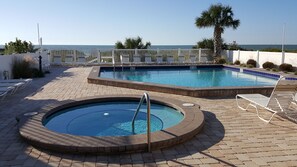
(192, 58)
(125, 59)
(57, 59)
(15, 86)
(3, 94)
(159, 58)
(170, 59)
(81, 60)
(69, 59)
(205, 60)
(279, 101)
(147, 58)
(25, 81)
(136, 59)
(181, 58)
(4, 91)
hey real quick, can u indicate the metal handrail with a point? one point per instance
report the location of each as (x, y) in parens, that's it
(148, 105)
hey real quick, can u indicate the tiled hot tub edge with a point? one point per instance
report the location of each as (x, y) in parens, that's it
(32, 130)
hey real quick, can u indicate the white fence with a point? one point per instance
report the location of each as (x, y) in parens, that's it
(6, 61)
(73, 57)
(113, 56)
(262, 57)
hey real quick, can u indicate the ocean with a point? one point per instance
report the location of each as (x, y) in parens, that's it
(87, 48)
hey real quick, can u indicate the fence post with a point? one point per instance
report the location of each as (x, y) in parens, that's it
(258, 55)
(199, 55)
(99, 57)
(283, 57)
(74, 56)
(50, 57)
(228, 54)
(112, 54)
(135, 51)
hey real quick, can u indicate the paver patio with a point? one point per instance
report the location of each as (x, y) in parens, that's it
(230, 137)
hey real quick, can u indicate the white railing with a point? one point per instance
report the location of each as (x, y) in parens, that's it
(73, 57)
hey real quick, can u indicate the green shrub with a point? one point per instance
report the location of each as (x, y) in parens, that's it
(21, 69)
(237, 62)
(251, 62)
(286, 67)
(250, 66)
(268, 64)
(295, 73)
(275, 70)
(243, 65)
(268, 69)
(36, 73)
(220, 60)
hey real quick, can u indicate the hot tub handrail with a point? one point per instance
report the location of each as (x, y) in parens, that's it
(146, 97)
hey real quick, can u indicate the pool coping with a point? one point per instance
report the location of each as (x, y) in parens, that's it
(213, 92)
(32, 130)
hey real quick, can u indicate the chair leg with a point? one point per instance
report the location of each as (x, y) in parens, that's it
(265, 120)
(239, 105)
(3, 96)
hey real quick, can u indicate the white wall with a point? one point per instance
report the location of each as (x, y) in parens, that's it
(5, 65)
(275, 57)
(6, 61)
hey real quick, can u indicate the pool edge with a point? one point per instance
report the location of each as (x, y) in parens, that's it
(213, 92)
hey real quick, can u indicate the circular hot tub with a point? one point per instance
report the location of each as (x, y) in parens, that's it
(103, 125)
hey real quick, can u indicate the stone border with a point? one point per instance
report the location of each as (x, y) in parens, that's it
(214, 92)
(32, 130)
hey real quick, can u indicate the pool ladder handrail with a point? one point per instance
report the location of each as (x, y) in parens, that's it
(146, 97)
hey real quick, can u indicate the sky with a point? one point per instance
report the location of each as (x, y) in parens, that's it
(161, 22)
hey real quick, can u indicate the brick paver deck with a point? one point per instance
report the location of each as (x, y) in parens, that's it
(230, 137)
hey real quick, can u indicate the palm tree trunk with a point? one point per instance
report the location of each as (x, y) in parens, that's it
(217, 42)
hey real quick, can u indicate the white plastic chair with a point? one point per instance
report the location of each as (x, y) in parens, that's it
(69, 59)
(192, 58)
(136, 59)
(181, 58)
(170, 59)
(159, 58)
(147, 58)
(279, 101)
(57, 60)
(125, 59)
(4, 91)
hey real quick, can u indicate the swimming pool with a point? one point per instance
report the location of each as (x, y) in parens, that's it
(196, 81)
(201, 77)
(111, 119)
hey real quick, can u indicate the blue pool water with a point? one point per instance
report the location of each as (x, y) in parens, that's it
(111, 119)
(199, 77)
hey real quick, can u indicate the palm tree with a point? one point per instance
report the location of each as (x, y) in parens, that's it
(219, 17)
(132, 43)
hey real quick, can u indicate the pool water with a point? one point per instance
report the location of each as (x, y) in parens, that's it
(199, 77)
(111, 119)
